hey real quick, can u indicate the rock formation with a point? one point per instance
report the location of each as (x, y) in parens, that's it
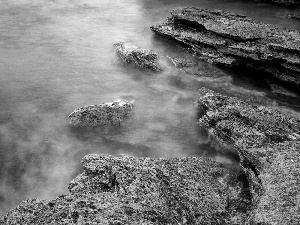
(268, 143)
(127, 190)
(143, 58)
(229, 39)
(113, 113)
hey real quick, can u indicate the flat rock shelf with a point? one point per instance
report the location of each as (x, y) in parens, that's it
(233, 40)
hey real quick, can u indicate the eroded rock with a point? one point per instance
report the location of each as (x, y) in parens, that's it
(230, 39)
(127, 190)
(113, 113)
(268, 143)
(143, 58)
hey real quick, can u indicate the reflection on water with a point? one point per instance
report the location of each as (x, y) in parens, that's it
(58, 55)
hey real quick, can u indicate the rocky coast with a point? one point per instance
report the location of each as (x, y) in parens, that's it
(233, 40)
(268, 144)
(194, 190)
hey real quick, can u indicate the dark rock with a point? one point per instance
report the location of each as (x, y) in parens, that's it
(127, 190)
(231, 39)
(143, 58)
(113, 113)
(268, 143)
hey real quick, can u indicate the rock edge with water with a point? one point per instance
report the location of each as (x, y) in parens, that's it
(268, 144)
(113, 113)
(142, 58)
(128, 190)
(230, 39)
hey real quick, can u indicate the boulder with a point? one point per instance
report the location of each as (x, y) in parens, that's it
(232, 40)
(113, 113)
(128, 190)
(142, 58)
(268, 144)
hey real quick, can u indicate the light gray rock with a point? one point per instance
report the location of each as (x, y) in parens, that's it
(113, 113)
(268, 144)
(143, 58)
(127, 190)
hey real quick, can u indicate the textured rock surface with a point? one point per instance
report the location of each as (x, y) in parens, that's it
(143, 58)
(268, 143)
(128, 190)
(113, 113)
(230, 39)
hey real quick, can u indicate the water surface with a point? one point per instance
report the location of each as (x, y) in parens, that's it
(58, 55)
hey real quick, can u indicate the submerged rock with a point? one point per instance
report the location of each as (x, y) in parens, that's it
(182, 62)
(143, 58)
(113, 113)
(268, 143)
(127, 190)
(291, 14)
(231, 39)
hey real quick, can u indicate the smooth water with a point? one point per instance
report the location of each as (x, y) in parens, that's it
(58, 55)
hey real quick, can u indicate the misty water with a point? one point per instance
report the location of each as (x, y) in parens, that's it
(58, 55)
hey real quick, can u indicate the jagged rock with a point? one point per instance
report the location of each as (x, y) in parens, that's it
(113, 113)
(127, 190)
(230, 39)
(268, 143)
(143, 58)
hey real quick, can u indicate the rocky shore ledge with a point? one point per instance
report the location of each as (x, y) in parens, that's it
(268, 144)
(234, 40)
(123, 190)
(127, 190)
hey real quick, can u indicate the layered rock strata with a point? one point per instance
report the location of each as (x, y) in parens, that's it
(113, 113)
(127, 190)
(230, 39)
(268, 143)
(142, 58)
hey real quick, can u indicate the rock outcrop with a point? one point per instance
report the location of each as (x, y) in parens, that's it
(229, 39)
(268, 143)
(113, 113)
(127, 190)
(142, 58)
